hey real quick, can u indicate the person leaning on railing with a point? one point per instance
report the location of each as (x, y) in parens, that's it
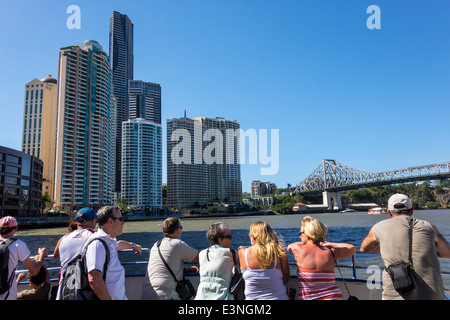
(216, 265)
(315, 261)
(264, 264)
(18, 251)
(391, 238)
(159, 283)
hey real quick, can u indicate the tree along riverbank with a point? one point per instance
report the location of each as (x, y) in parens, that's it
(423, 196)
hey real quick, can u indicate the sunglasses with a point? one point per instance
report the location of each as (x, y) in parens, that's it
(120, 218)
(227, 237)
(300, 233)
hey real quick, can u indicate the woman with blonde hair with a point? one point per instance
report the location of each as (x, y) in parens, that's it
(316, 260)
(264, 265)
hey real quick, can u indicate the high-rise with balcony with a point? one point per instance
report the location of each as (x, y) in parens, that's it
(122, 60)
(85, 145)
(39, 126)
(142, 163)
(192, 179)
(187, 175)
(224, 174)
(141, 173)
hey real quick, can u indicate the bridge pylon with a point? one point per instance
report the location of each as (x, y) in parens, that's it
(332, 200)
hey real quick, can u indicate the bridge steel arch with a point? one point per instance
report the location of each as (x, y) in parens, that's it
(332, 175)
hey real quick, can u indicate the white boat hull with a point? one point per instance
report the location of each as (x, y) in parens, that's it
(357, 288)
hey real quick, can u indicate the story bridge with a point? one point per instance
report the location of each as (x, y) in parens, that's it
(331, 176)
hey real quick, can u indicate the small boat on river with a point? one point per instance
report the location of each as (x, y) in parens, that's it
(377, 210)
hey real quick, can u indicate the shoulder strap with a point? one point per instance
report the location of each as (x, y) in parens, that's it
(105, 266)
(158, 244)
(410, 241)
(343, 280)
(233, 252)
(11, 278)
(246, 258)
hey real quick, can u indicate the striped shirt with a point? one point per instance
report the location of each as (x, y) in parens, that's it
(317, 285)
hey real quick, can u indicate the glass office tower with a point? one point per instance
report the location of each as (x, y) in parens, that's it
(122, 61)
(144, 100)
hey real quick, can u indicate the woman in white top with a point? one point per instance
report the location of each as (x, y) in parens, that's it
(264, 265)
(216, 264)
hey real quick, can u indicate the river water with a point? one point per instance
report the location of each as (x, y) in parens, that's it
(344, 227)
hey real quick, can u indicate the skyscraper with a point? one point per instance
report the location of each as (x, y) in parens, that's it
(39, 126)
(224, 177)
(142, 163)
(85, 145)
(187, 182)
(144, 100)
(122, 61)
(190, 177)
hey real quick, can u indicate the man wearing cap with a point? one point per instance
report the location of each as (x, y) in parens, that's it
(72, 243)
(391, 238)
(18, 251)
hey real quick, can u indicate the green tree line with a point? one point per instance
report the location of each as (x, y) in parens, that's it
(423, 195)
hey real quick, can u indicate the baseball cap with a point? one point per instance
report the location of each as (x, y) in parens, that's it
(85, 214)
(8, 222)
(399, 202)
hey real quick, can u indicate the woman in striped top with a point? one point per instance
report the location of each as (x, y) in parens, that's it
(316, 279)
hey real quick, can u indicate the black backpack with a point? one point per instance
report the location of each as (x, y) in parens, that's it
(5, 279)
(74, 281)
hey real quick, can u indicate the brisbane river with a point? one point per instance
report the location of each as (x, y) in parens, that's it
(342, 227)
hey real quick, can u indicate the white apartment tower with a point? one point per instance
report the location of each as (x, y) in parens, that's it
(142, 163)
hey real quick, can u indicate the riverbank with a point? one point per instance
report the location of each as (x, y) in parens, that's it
(58, 222)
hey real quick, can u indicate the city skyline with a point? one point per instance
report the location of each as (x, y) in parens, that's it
(374, 100)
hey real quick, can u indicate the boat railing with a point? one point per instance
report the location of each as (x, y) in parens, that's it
(353, 266)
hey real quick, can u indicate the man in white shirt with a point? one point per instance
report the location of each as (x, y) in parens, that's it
(110, 223)
(72, 243)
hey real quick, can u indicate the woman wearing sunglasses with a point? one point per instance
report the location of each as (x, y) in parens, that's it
(315, 261)
(216, 264)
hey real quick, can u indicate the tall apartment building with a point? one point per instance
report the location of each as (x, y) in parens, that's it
(187, 181)
(224, 179)
(144, 100)
(122, 61)
(142, 163)
(198, 181)
(259, 188)
(39, 126)
(85, 145)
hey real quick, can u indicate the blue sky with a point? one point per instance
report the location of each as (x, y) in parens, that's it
(374, 100)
